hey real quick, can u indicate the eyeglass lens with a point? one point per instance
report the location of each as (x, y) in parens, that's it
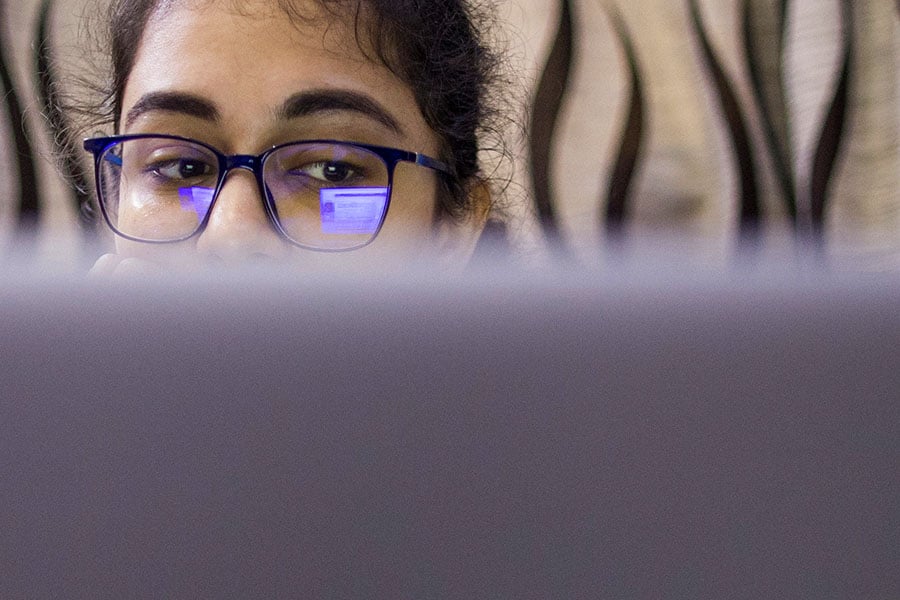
(329, 196)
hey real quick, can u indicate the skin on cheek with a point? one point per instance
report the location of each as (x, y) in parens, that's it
(413, 207)
(143, 213)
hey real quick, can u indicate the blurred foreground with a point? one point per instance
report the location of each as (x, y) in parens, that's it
(646, 432)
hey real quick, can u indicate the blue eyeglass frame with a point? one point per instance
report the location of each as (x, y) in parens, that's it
(97, 146)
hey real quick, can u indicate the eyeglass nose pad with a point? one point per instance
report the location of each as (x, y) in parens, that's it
(243, 161)
(254, 164)
(238, 226)
(250, 163)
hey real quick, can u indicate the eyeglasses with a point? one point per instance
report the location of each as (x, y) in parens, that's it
(318, 194)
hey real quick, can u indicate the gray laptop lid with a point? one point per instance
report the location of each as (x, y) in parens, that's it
(495, 436)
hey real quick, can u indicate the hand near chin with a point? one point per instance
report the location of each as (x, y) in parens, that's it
(116, 265)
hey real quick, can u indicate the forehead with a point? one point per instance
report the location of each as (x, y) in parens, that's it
(248, 57)
(302, 15)
(300, 31)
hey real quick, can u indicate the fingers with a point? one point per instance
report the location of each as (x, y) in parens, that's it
(115, 265)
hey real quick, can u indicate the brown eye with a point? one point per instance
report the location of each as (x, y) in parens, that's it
(335, 172)
(182, 169)
(330, 171)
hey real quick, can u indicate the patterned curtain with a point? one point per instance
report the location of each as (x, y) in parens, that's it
(718, 121)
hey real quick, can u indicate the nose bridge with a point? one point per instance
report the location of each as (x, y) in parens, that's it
(238, 226)
(243, 161)
(246, 162)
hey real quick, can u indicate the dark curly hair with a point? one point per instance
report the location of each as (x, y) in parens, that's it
(437, 47)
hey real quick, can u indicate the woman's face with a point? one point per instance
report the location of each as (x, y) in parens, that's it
(244, 81)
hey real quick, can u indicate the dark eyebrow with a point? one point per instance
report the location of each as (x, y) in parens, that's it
(178, 102)
(313, 101)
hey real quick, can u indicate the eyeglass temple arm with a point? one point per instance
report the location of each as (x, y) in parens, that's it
(433, 163)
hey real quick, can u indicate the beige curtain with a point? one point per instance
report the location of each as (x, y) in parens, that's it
(687, 183)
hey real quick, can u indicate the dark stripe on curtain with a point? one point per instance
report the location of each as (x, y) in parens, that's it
(23, 152)
(749, 207)
(548, 101)
(831, 138)
(65, 148)
(631, 140)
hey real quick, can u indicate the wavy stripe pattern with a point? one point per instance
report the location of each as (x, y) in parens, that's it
(631, 140)
(23, 155)
(68, 153)
(761, 22)
(764, 28)
(750, 208)
(830, 140)
(548, 101)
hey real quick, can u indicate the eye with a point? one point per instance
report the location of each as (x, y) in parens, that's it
(182, 169)
(330, 171)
